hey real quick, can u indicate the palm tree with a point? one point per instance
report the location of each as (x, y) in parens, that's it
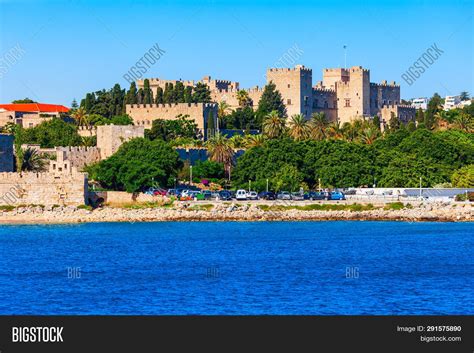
(222, 110)
(237, 141)
(334, 131)
(299, 128)
(254, 140)
(273, 125)
(464, 95)
(81, 117)
(243, 98)
(220, 150)
(32, 161)
(369, 135)
(464, 122)
(350, 131)
(318, 125)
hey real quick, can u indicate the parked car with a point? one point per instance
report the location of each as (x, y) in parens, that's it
(196, 195)
(241, 195)
(336, 195)
(267, 195)
(252, 195)
(225, 195)
(207, 194)
(315, 195)
(160, 192)
(284, 195)
(172, 192)
(296, 196)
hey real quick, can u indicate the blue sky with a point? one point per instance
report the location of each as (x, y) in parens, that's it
(67, 48)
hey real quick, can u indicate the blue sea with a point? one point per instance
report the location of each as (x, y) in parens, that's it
(232, 268)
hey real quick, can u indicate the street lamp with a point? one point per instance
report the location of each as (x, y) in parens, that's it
(267, 185)
(249, 185)
(190, 175)
(175, 183)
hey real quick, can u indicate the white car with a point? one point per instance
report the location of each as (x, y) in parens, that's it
(252, 195)
(241, 195)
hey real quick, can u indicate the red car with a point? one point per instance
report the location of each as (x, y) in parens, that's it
(160, 192)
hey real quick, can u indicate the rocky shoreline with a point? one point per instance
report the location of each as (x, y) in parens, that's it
(440, 212)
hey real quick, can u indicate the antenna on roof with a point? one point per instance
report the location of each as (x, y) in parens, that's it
(345, 56)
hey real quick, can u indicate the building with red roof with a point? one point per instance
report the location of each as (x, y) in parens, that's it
(29, 114)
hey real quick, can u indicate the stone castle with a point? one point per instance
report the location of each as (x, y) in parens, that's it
(64, 183)
(343, 95)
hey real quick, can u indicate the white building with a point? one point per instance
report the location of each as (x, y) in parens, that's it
(420, 103)
(451, 102)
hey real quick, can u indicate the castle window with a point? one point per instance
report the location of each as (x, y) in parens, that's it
(288, 101)
(288, 85)
(315, 103)
(306, 101)
(326, 104)
(347, 102)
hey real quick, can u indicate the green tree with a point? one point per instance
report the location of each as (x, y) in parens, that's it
(179, 92)
(188, 94)
(273, 125)
(211, 126)
(271, 100)
(49, 134)
(287, 178)
(318, 126)
(420, 116)
(23, 101)
(168, 95)
(394, 123)
(298, 127)
(147, 92)
(131, 96)
(159, 96)
(220, 150)
(201, 94)
(169, 130)
(464, 95)
(208, 169)
(32, 161)
(138, 165)
(376, 122)
(463, 177)
(434, 107)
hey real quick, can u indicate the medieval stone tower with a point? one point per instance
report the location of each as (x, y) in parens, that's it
(294, 84)
(352, 88)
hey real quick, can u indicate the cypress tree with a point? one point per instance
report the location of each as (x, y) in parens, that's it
(188, 94)
(159, 96)
(179, 92)
(201, 94)
(210, 124)
(270, 100)
(147, 93)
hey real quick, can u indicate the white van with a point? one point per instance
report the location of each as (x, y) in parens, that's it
(241, 195)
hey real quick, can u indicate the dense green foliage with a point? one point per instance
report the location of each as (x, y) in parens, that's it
(24, 100)
(169, 130)
(397, 160)
(48, 134)
(138, 165)
(208, 169)
(271, 100)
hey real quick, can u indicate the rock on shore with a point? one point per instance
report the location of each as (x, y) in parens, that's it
(458, 212)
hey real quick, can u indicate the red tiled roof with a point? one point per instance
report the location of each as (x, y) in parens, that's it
(35, 107)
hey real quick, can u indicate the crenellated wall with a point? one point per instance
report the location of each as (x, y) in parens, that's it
(31, 188)
(144, 114)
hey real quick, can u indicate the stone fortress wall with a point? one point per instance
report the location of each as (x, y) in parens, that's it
(344, 94)
(144, 114)
(64, 187)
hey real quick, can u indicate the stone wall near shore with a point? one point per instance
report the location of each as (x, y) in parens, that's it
(43, 188)
(117, 198)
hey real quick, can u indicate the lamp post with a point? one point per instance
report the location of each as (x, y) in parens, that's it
(190, 175)
(175, 183)
(267, 184)
(420, 187)
(249, 185)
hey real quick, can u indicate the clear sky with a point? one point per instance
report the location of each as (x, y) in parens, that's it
(54, 51)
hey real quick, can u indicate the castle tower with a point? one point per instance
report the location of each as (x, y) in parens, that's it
(352, 88)
(295, 88)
